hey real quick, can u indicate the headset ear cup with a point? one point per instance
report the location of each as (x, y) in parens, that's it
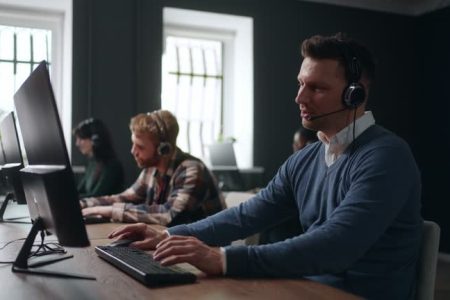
(164, 148)
(95, 140)
(354, 95)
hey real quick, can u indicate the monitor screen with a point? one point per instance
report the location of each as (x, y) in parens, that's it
(48, 179)
(12, 156)
(2, 153)
(39, 120)
(2, 162)
(10, 140)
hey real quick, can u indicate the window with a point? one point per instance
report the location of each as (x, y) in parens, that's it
(32, 30)
(21, 49)
(192, 90)
(207, 80)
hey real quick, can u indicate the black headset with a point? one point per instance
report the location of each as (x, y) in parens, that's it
(96, 142)
(91, 124)
(164, 147)
(354, 93)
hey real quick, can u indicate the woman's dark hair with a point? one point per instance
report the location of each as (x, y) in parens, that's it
(96, 131)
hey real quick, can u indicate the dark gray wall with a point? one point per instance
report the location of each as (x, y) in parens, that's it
(105, 70)
(117, 51)
(432, 118)
(117, 67)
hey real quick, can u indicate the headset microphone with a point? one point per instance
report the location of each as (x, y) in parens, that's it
(311, 118)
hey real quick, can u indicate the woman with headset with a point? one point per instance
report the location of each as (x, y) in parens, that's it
(104, 173)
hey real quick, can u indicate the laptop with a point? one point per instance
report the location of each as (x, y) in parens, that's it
(224, 166)
(222, 155)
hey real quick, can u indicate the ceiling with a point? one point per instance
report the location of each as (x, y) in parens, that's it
(404, 7)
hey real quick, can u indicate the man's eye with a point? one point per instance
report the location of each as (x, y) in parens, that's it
(317, 89)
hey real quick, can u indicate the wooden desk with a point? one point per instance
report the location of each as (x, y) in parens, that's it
(114, 284)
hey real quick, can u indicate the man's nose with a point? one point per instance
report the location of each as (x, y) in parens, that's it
(301, 95)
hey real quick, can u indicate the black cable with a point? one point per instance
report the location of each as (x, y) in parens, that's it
(47, 248)
(10, 242)
(354, 132)
(7, 262)
(4, 246)
(42, 248)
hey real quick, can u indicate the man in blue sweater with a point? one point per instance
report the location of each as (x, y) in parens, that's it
(357, 193)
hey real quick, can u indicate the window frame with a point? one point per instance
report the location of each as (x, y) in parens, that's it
(56, 16)
(220, 36)
(238, 102)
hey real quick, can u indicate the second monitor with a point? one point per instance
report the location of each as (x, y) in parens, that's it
(12, 163)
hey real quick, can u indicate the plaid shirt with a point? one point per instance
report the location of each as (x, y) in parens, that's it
(186, 193)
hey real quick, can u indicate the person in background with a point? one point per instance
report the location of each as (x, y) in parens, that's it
(104, 172)
(173, 187)
(302, 137)
(357, 193)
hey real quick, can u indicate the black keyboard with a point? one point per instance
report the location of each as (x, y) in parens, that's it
(141, 266)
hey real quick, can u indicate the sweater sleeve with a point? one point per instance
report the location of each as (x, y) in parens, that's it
(270, 206)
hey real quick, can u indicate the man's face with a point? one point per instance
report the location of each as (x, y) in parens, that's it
(143, 149)
(321, 84)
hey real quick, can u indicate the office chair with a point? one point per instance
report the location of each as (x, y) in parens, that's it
(234, 199)
(426, 268)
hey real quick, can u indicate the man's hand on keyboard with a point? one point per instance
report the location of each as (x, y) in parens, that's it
(146, 236)
(180, 249)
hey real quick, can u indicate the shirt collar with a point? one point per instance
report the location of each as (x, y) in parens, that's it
(335, 146)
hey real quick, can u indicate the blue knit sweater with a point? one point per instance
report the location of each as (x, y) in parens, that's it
(360, 217)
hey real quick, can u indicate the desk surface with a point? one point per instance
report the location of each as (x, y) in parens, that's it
(256, 170)
(113, 284)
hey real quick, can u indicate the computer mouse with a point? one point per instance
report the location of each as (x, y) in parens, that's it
(121, 243)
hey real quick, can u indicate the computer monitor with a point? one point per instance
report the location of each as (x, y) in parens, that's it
(2, 153)
(12, 164)
(48, 181)
(224, 166)
(45, 144)
(2, 162)
(222, 155)
(10, 139)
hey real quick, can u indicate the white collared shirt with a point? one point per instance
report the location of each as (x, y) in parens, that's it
(335, 146)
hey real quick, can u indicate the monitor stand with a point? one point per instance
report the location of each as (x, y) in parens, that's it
(21, 264)
(9, 196)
